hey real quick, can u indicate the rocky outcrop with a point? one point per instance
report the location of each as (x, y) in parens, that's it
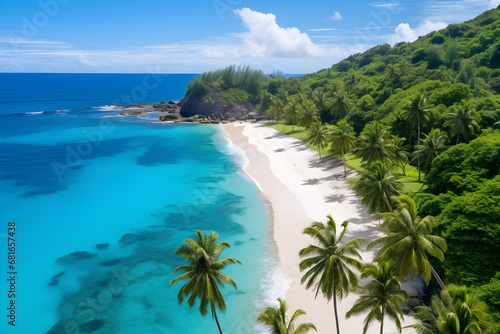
(212, 106)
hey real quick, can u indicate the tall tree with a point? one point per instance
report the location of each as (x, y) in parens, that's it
(400, 152)
(203, 273)
(384, 295)
(343, 140)
(329, 262)
(374, 144)
(276, 320)
(417, 115)
(341, 103)
(310, 114)
(433, 145)
(409, 241)
(318, 135)
(292, 111)
(378, 188)
(277, 110)
(455, 311)
(462, 120)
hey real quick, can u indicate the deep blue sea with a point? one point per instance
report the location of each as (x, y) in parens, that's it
(119, 193)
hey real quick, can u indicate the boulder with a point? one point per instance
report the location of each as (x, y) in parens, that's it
(55, 278)
(102, 246)
(168, 117)
(92, 326)
(110, 263)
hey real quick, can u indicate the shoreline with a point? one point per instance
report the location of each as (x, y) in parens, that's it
(299, 189)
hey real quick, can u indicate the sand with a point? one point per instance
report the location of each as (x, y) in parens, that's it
(301, 189)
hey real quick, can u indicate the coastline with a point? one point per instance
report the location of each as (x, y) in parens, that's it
(301, 189)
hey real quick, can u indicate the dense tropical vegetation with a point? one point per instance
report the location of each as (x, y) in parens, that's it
(420, 122)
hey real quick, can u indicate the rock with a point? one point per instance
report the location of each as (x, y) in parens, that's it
(58, 328)
(130, 238)
(92, 326)
(413, 302)
(75, 256)
(110, 263)
(172, 102)
(55, 278)
(168, 117)
(237, 243)
(102, 246)
(405, 310)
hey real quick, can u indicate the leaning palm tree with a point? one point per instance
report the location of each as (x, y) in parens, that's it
(204, 273)
(378, 188)
(318, 136)
(329, 262)
(276, 320)
(462, 120)
(374, 144)
(409, 241)
(455, 311)
(433, 145)
(277, 111)
(292, 112)
(309, 114)
(343, 140)
(384, 295)
(341, 103)
(417, 115)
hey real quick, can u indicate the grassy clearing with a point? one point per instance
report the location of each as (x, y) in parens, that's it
(410, 181)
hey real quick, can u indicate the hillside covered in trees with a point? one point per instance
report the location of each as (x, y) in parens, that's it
(431, 106)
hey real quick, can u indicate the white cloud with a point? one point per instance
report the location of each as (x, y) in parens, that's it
(323, 29)
(455, 11)
(404, 33)
(385, 5)
(494, 3)
(336, 16)
(84, 61)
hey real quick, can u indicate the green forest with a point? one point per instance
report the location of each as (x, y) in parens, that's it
(420, 122)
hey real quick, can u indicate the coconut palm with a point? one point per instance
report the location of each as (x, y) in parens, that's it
(277, 111)
(400, 152)
(462, 120)
(278, 323)
(318, 136)
(417, 115)
(204, 273)
(309, 114)
(343, 140)
(378, 188)
(409, 241)
(292, 112)
(455, 311)
(373, 144)
(328, 263)
(323, 102)
(384, 295)
(393, 74)
(341, 103)
(433, 145)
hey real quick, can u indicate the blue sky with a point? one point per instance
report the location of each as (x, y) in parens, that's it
(139, 36)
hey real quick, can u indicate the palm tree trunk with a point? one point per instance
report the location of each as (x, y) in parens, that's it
(418, 153)
(458, 137)
(438, 279)
(343, 159)
(335, 312)
(382, 321)
(217, 321)
(319, 150)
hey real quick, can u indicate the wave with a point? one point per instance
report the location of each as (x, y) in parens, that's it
(33, 113)
(108, 107)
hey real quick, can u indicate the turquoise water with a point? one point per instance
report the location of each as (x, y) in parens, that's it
(78, 176)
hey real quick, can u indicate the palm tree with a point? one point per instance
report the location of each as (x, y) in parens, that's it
(204, 273)
(433, 145)
(383, 298)
(454, 312)
(277, 321)
(277, 110)
(417, 115)
(343, 140)
(393, 74)
(409, 241)
(309, 114)
(318, 135)
(462, 120)
(292, 112)
(378, 188)
(400, 152)
(341, 103)
(323, 102)
(329, 263)
(373, 144)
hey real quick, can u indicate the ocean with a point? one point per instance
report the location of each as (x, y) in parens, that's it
(100, 201)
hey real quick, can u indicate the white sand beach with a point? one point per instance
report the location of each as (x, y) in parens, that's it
(302, 189)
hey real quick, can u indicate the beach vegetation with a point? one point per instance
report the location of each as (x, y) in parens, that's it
(329, 262)
(203, 273)
(318, 136)
(277, 321)
(343, 139)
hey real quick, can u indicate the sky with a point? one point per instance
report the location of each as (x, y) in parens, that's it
(193, 36)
